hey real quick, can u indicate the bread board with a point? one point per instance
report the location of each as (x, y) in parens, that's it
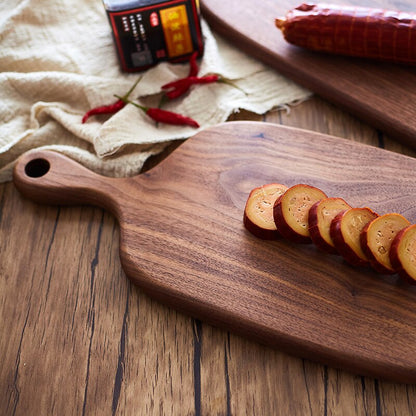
(381, 94)
(182, 240)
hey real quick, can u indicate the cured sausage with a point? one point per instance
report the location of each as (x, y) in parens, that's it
(384, 35)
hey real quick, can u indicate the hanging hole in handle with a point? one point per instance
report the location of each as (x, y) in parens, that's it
(37, 168)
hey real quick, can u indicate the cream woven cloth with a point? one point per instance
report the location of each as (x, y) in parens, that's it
(58, 60)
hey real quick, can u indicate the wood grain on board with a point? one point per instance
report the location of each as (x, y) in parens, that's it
(183, 241)
(382, 94)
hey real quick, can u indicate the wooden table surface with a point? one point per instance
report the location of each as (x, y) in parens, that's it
(76, 337)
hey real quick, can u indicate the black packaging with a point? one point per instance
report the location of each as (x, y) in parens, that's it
(149, 31)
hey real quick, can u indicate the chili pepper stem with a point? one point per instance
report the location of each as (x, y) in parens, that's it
(127, 95)
(112, 108)
(164, 116)
(127, 101)
(231, 84)
(163, 100)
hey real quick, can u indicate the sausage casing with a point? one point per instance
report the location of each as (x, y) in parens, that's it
(354, 31)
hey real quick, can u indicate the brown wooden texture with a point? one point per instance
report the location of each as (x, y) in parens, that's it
(183, 240)
(379, 93)
(76, 337)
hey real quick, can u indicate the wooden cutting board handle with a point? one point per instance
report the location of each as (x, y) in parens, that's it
(49, 177)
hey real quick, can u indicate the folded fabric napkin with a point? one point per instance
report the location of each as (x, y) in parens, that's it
(58, 60)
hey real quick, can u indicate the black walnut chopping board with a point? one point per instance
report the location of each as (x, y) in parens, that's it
(183, 241)
(384, 95)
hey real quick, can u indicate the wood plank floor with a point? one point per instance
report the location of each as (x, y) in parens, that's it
(77, 338)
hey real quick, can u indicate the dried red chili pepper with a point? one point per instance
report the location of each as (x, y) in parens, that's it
(193, 65)
(184, 87)
(176, 88)
(207, 79)
(104, 109)
(168, 117)
(163, 116)
(111, 108)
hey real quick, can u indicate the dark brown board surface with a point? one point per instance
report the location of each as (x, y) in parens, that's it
(183, 240)
(382, 94)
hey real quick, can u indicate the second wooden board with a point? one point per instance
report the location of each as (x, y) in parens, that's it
(384, 95)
